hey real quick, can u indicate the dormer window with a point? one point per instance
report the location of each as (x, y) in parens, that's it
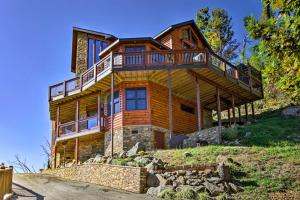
(186, 34)
(190, 37)
(94, 48)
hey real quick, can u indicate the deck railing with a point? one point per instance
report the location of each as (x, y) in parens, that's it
(157, 59)
(83, 125)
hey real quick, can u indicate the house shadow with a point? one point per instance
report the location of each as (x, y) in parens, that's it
(21, 191)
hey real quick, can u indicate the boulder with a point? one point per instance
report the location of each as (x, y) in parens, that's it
(98, 158)
(234, 188)
(142, 160)
(198, 189)
(109, 160)
(291, 111)
(162, 180)
(122, 154)
(193, 182)
(154, 191)
(224, 172)
(213, 189)
(152, 180)
(135, 149)
(180, 180)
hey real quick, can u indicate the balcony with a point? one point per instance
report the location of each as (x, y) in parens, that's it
(78, 128)
(247, 76)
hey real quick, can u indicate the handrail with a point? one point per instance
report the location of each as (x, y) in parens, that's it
(155, 58)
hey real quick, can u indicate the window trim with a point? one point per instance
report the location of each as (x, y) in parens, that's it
(108, 105)
(136, 99)
(94, 49)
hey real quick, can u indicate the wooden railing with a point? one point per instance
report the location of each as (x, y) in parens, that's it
(83, 125)
(5, 181)
(160, 60)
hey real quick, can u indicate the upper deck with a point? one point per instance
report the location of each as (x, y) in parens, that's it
(245, 77)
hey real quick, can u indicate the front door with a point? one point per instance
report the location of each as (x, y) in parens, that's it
(159, 140)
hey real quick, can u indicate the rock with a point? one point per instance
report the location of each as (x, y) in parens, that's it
(158, 162)
(193, 182)
(135, 149)
(190, 173)
(152, 180)
(122, 154)
(214, 180)
(98, 158)
(180, 173)
(8, 196)
(183, 187)
(132, 164)
(234, 188)
(198, 189)
(90, 160)
(151, 167)
(207, 172)
(109, 160)
(187, 154)
(224, 172)
(162, 180)
(177, 141)
(180, 180)
(213, 189)
(172, 178)
(154, 191)
(291, 111)
(70, 164)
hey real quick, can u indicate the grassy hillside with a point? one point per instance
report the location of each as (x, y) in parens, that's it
(269, 157)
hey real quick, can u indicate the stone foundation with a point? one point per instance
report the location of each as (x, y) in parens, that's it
(132, 179)
(127, 136)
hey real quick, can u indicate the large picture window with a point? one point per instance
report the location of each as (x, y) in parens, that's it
(136, 99)
(116, 103)
(94, 48)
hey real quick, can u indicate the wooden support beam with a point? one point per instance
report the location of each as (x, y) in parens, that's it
(54, 160)
(252, 107)
(99, 111)
(77, 116)
(228, 116)
(246, 111)
(233, 109)
(201, 77)
(198, 104)
(57, 121)
(239, 110)
(112, 109)
(170, 103)
(76, 150)
(219, 108)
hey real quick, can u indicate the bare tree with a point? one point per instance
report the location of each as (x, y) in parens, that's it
(21, 165)
(46, 147)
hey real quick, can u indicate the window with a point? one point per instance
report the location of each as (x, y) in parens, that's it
(194, 42)
(94, 48)
(188, 109)
(136, 58)
(186, 34)
(136, 99)
(116, 103)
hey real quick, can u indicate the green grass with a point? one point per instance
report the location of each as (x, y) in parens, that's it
(270, 161)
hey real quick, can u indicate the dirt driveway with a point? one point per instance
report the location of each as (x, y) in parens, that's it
(40, 187)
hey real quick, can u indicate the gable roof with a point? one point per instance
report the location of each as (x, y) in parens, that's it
(191, 23)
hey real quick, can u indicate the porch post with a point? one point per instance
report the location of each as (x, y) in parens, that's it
(252, 107)
(112, 109)
(233, 110)
(198, 104)
(99, 111)
(54, 159)
(246, 111)
(239, 110)
(170, 103)
(228, 115)
(77, 116)
(76, 150)
(57, 121)
(219, 108)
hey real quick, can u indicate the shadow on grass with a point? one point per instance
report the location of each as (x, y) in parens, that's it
(22, 191)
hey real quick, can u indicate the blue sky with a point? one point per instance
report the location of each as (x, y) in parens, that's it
(35, 52)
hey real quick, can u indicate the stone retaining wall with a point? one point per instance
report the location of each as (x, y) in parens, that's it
(132, 179)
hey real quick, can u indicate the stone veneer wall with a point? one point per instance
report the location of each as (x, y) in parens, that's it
(127, 136)
(81, 53)
(132, 179)
(89, 148)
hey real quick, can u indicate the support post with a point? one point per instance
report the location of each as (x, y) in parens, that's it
(170, 103)
(57, 121)
(112, 109)
(99, 111)
(252, 108)
(64, 147)
(54, 160)
(239, 110)
(198, 104)
(76, 150)
(246, 111)
(233, 110)
(228, 115)
(77, 116)
(219, 108)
